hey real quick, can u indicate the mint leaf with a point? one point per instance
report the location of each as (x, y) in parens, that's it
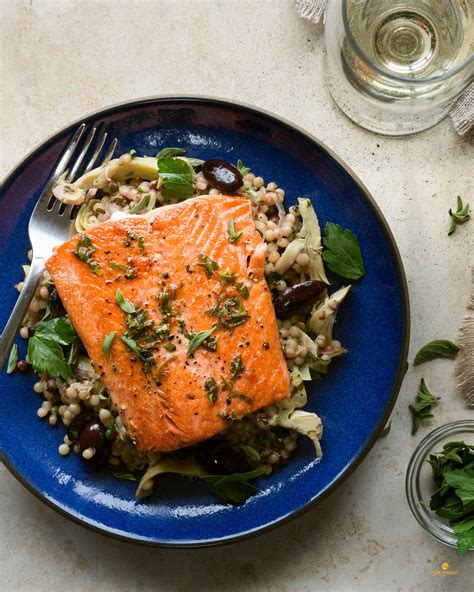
(177, 178)
(384, 433)
(124, 304)
(125, 476)
(464, 532)
(233, 489)
(439, 348)
(233, 236)
(243, 169)
(421, 409)
(107, 343)
(170, 152)
(343, 255)
(132, 345)
(459, 216)
(13, 359)
(197, 339)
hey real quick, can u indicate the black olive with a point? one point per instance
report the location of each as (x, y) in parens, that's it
(93, 436)
(79, 423)
(293, 299)
(23, 365)
(222, 175)
(218, 458)
(56, 305)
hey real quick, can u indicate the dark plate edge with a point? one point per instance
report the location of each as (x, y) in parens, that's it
(402, 365)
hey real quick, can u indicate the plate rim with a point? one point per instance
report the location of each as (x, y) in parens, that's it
(402, 362)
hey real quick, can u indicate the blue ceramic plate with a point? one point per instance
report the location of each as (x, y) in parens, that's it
(354, 400)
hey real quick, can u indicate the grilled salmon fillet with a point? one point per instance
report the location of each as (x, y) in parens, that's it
(158, 281)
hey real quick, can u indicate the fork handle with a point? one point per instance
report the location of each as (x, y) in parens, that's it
(21, 307)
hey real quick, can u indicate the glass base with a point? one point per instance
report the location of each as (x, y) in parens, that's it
(379, 118)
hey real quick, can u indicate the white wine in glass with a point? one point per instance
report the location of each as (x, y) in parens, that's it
(395, 66)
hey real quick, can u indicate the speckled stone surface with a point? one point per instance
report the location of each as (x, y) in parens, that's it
(62, 59)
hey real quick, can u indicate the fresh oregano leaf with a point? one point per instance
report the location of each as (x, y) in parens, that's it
(439, 348)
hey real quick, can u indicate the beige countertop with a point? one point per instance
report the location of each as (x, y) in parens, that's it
(64, 58)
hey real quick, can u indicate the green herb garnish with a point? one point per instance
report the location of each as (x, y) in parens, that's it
(232, 235)
(170, 347)
(212, 389)
(453, 474)
(243, 169)
(233, 489)
(107, 343)
(45, 350)
(240, 395)
(164, 298)
(110, 430)
(125, 476)
(231, 313)
(343, 254)
(237, 367)
(461, 215)
(227, 277)
(251, 453)
(124, 304)
(133, 153)
(384, 433)
(132, 345)
(208, 265)
(243, 290)
(141, 243)
(85, 251)
(162, 331)
(197, 339)
(170, 153)
(177, 178)
(13, 359)
(439, 348)
(421, 409)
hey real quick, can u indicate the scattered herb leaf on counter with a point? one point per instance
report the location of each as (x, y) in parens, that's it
(125, 476)
(233, 489)
(439, 348)
(453, 474)
(177, 178)
(13, 359)
(107, 343)
(233, 236)
(384, 433)
(198, 339)
(342, 253)
(421, 409)
(461, 215)
(170, 152)
(44, 347)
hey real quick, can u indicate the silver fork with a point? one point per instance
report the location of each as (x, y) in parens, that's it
(49, 225)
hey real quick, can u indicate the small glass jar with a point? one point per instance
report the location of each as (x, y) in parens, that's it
(419, 481)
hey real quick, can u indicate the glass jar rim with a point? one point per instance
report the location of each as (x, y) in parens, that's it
(432, 440)
(415, 81)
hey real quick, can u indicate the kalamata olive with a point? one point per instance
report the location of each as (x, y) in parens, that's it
(293, 299)
(218, 458)
(23, 365)
(55, 304)
(93, 437)
(222, 175)
(79, 423)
